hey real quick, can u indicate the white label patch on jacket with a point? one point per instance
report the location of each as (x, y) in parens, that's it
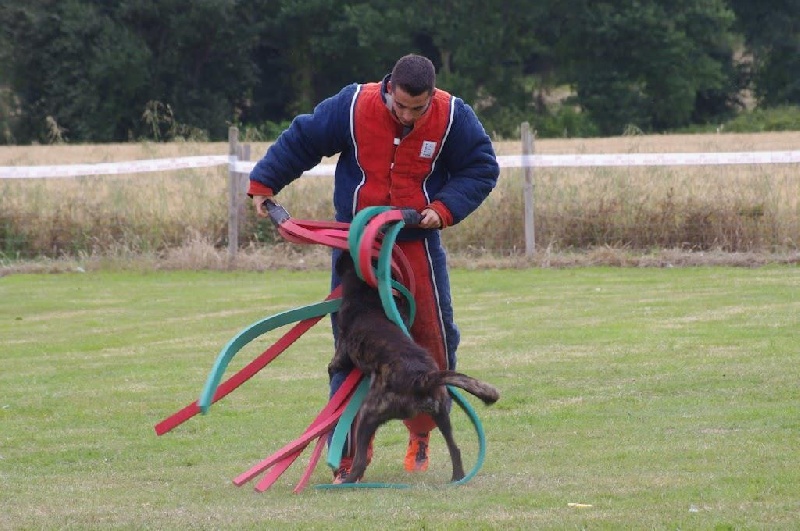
(428, 149)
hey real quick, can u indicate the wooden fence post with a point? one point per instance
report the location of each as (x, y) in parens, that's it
(244, 181)
(233, 194)
(527, 151)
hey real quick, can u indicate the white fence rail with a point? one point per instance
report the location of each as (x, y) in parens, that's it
(505, 161)
(111, 168)
(239, 166)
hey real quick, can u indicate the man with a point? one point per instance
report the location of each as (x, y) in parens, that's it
(401, 142)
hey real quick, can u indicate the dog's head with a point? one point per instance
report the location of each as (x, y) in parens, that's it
(355, 287)
(350, 281)
(346, 268)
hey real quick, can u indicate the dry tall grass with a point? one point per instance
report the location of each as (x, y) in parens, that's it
(734, 209)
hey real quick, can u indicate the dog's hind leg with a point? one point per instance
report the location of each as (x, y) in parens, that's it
(442, 418)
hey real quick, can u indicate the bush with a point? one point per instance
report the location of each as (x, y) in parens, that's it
(785, 118)
(565, 122)
(501, 122)
(265, 132)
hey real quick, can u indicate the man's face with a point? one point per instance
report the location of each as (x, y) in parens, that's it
(407, 108)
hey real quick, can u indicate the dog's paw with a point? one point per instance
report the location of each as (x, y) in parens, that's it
(458, 476)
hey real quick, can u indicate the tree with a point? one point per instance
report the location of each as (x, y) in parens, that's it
(480, 48)
(309, 49)
(644, 62)
(92, 67)
(74, 69)
(200, 62)
(772, 32)
(96, 71)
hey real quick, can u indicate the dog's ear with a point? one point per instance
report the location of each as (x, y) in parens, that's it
(344, 264)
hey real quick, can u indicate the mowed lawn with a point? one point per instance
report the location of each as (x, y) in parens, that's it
(630, 399)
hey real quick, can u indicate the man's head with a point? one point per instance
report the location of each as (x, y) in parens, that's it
(414, 74)
(411, 86)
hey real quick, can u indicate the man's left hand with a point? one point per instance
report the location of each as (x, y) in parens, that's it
(430, 219)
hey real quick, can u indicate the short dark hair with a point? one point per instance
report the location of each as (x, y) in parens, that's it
(414, 74)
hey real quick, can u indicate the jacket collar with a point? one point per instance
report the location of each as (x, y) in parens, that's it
(387, 98)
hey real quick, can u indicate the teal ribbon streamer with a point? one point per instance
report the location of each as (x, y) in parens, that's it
(253, 331)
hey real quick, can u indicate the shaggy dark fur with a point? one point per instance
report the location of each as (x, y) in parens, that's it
(405, 378)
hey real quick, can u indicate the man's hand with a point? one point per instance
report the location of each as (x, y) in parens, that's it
(258, 204)
(430, 219)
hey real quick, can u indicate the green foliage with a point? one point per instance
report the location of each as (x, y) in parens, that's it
(266, 132)
(481, 49)
(778, 82)
(162, 126)
(758, 120)
(94, 68)
(564, 122)
(501, 122)
(785, 118)
(307, 50)
(644, 63)
(74, 67)
(91, 67)
(773, 40)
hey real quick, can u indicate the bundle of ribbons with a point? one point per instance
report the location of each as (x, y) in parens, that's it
(370, 240)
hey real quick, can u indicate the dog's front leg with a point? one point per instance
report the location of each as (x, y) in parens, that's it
(341, 361)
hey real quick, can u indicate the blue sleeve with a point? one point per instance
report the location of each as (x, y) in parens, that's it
(471, 164)
(309, 138)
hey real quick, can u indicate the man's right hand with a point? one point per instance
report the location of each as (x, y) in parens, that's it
(258, 204)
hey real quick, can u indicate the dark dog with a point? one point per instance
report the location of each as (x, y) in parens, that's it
(405, 379)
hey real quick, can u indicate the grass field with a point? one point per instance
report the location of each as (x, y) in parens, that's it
(659, 398)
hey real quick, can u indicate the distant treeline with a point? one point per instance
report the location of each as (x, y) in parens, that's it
(91, 71)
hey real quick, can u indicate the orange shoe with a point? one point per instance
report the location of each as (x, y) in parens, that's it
(417, 452)
(340, 475)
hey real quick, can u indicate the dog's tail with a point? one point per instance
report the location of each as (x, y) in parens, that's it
(486, 392)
